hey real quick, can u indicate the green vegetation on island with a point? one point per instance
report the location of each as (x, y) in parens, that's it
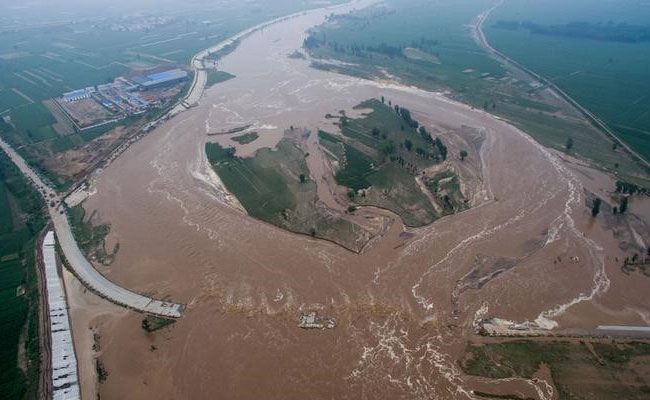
(21, 219)
(151, 323)
(380, 157)
(90, 236)
(274, 186)
(246, 138)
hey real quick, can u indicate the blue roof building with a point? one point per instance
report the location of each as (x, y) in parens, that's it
(161, 78)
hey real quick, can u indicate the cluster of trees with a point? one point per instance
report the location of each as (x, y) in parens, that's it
(406, 116)
(357, 50)
(620, 209)
(311, 42)
(425, 44)
(410, 168)
(629, 188)
(635, 259)
(611, 32)
(388, 148)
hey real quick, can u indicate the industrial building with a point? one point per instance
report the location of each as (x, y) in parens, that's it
(78, 94)
(160, 79)
(127, 95)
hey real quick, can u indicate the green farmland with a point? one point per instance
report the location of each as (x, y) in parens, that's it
(579, 370)
(609, 75)
(42, 57)
(274, 186)
(430, 45)
(21, 218)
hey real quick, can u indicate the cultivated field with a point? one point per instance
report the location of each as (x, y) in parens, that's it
(21, 218)
(432, 46)
(40, 60)
(602, 63)
(578, 370)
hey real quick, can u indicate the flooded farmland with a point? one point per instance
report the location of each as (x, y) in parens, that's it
(404, 307)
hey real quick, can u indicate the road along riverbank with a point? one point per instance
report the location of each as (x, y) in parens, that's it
(77, 262)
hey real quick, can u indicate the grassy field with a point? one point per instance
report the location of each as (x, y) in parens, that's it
(274, 186)
(246, 138)
(422, 42)
(90, 236)
(20, 221)
(610, 371)
(215, 77)
(429, 45)
(260, 183)
(379, 156)
(609, 76)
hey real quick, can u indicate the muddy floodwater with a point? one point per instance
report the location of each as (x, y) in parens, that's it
(404, 308)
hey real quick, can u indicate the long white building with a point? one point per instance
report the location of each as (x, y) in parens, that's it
(65, 379)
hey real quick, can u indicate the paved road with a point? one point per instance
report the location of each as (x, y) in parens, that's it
(86, 273)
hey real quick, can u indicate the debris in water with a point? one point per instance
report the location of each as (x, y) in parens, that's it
(311, 320)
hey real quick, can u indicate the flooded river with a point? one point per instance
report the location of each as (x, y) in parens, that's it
(404, 308)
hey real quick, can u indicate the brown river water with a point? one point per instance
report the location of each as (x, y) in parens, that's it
(405, 307)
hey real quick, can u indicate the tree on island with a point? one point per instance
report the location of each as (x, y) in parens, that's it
(463, 155)
(596, 208)
(623, 206)
(441, 148)
(569, 144)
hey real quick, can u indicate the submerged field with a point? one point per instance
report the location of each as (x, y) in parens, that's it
(21, 218)
(579, 370)
(431, 46)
